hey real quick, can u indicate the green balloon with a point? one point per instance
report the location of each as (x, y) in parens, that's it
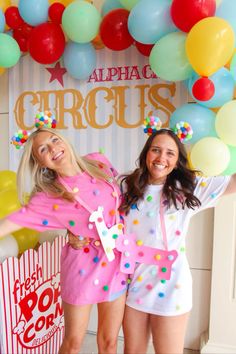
(9, 51)
(129, 4)
(81, 21)
(231, 168)
(168, 58)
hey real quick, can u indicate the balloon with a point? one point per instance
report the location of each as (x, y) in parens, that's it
(226, 123)
(97, 42)
(55, 12)
(81, 21)
(231, 168)
(114, 30)
(210, 155)
(233, 67)
(13, 18)
(50, 235)
(9, 51)
(227, 11)
(150, 20)
(224, 88)
(63, 2)
(46, 43)
(7, 180)
(209, 45)
(129, 4)
(201, 119)
(2, 70)
(168, 59)
(185, 13)
(34, 12)
(26, 238)
(4, 4)
(109, 5)
(85, 55)
(14, 2)
(203, 89)
(144, 49)
(2, 21)
(8, 247)
(8, 202)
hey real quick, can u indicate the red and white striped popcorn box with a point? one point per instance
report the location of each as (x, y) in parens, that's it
(31, 315)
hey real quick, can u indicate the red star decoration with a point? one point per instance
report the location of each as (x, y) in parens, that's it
(57, 73)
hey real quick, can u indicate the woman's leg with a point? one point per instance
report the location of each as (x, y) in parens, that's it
(110, 316)
(136, 327)
(76, 322)
(168, 333)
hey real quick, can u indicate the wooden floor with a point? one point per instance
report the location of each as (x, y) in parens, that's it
(90, 346)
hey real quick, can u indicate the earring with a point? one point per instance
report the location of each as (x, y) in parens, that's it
(44, 170)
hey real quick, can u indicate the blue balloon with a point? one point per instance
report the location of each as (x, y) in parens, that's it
(227, 11)
(110, 5)
(79, 60)
(150, 20)
(2, 21)
(201, 119)
(34, 12)
(224, 88)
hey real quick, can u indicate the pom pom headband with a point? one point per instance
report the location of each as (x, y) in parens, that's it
(42, 120)
(183, 130)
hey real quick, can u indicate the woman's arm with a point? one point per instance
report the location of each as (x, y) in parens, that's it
(231, 188)
(7, 227)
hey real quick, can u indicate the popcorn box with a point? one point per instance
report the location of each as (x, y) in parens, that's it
(31, 315)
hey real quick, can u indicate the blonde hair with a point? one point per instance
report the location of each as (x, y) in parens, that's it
(45, 180)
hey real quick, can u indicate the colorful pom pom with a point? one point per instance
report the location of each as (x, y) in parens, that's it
(184, 131)
(151, 125)
(45, 120)
(19, 138)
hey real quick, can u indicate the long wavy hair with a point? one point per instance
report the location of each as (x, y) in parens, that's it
(46, 180)
(178, 187)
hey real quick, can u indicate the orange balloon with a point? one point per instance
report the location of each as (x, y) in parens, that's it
(2, 70)
(97, 42)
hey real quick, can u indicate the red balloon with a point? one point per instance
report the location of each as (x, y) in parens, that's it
(203, 89)
(144, 49)
(55, 12)
(21, 40)
(13, 17)
(185, 13)
(46, 43)
(114, 30)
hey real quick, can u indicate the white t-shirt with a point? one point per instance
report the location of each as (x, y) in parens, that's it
(147, 292)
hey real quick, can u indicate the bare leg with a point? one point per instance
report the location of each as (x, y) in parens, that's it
(110, 316)
(168, 333)
(76, 322)
(136, 328)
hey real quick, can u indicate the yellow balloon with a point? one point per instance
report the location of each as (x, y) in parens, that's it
(226, 123)
(210, 45)
(26, 238)
(4, 4)
(64, 2)
(210, 155)
(8, 202)
(2, 71)
(7, 180)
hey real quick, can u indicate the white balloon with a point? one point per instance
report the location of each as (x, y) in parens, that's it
(8, 247)
(50, 235)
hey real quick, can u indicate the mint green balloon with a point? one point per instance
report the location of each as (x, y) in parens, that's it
(232, 164)
(129, 4)
(168, 58)
(81, 21)
(9, 51)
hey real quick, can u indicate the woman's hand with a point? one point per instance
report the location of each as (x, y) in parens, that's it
(77, 243)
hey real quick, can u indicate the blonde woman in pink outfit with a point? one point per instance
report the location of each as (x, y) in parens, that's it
(66, 190)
